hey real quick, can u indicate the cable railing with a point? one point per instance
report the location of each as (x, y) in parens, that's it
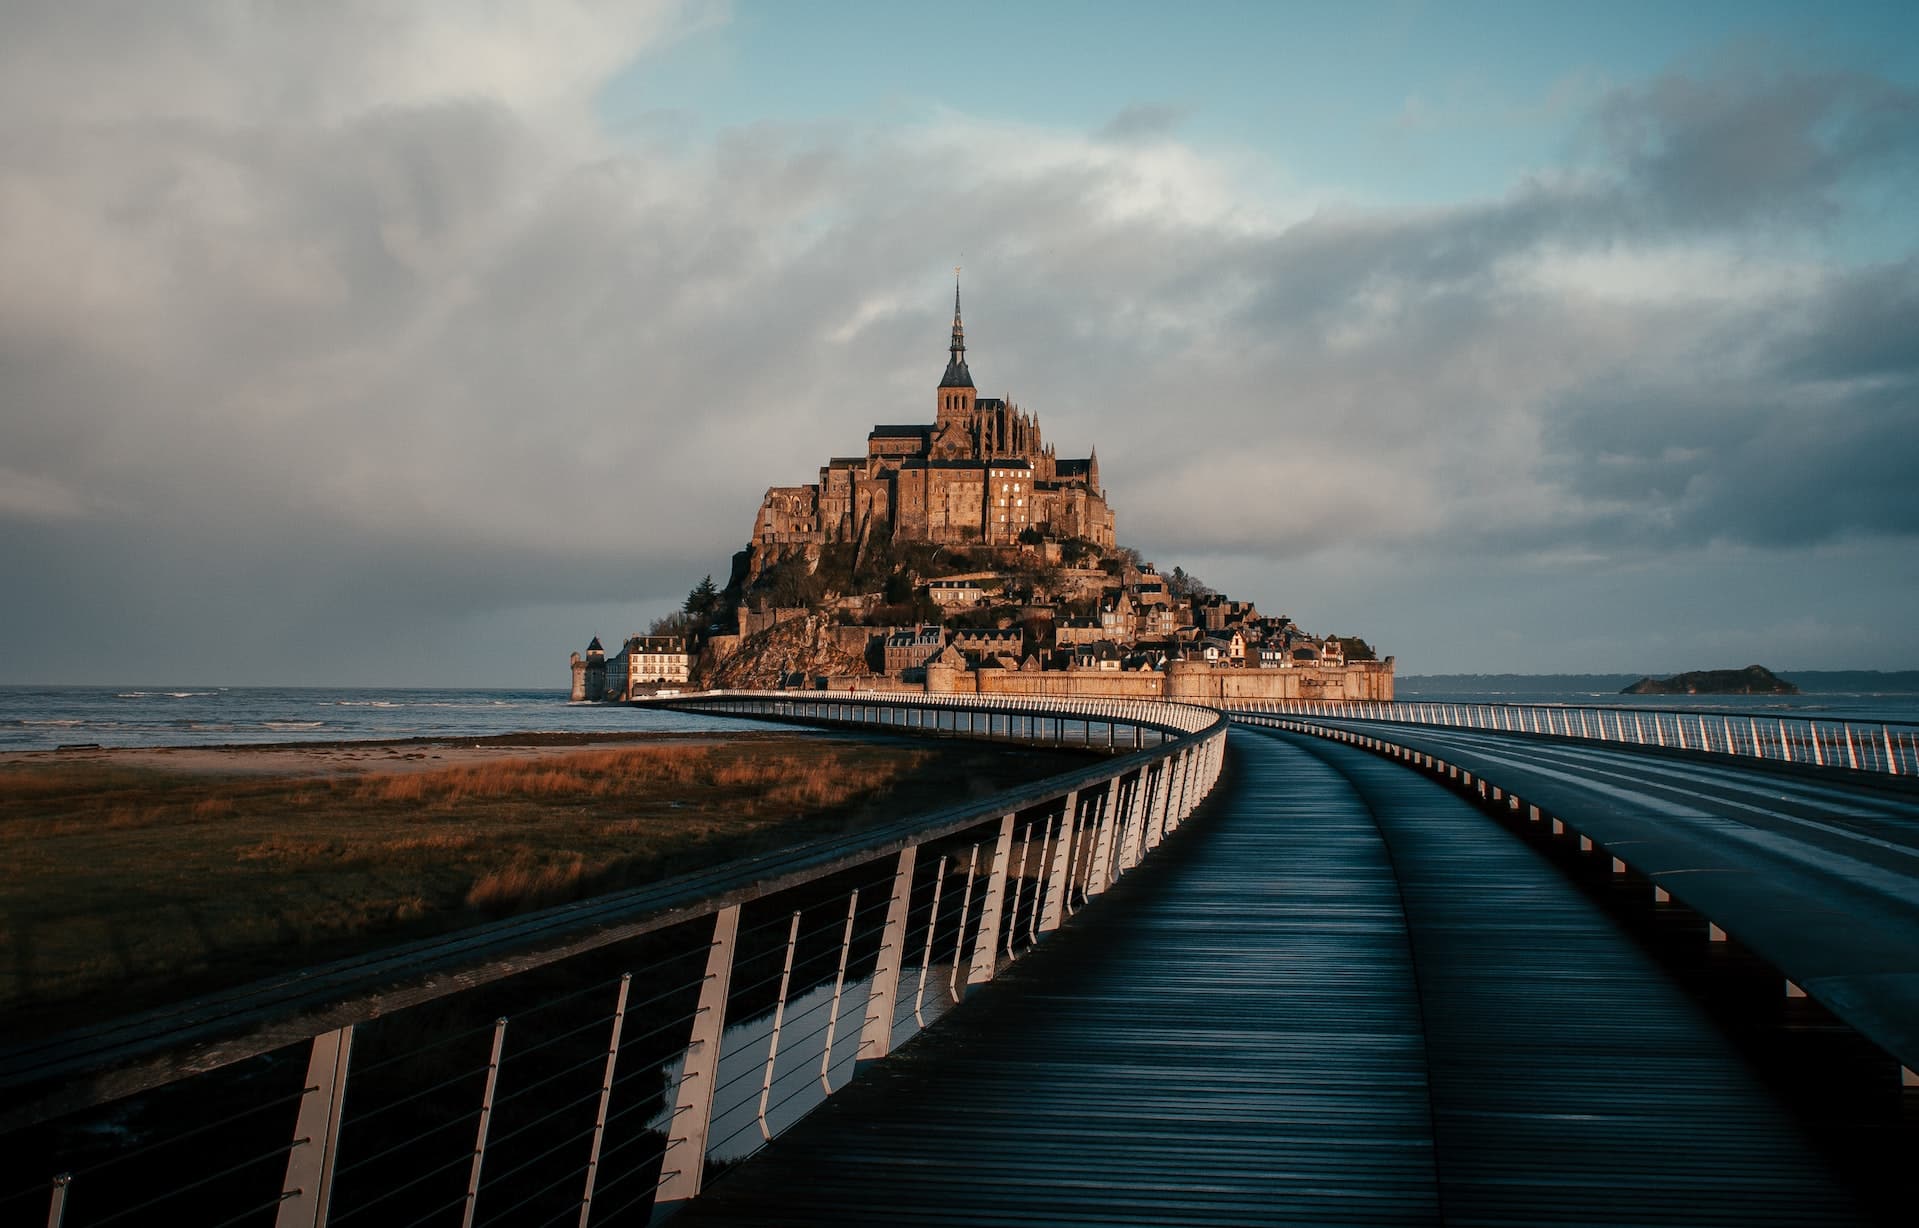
(590, 1061)
(1887, 747)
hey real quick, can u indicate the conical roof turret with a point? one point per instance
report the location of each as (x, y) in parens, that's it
(957, 376)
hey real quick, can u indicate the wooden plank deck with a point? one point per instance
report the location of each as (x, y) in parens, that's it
(1341, 997)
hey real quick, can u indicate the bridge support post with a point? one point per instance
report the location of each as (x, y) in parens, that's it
(876, 1033)
(986, 941)
(316, 1133)
(1182, 787)
(693, 1107)
(1100, 871)
(1156, 805)
(1056, 883)
(1133, 837)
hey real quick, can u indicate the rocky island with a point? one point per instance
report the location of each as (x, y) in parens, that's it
(966, 555)
(1752, 680)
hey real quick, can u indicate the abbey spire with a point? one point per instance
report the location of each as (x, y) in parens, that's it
(957, 376)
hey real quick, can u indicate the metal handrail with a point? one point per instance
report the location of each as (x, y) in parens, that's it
(1887, 747)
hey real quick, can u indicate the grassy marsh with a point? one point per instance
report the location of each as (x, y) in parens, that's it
(128, 881)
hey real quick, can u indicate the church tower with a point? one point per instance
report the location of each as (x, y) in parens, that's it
(956, 392)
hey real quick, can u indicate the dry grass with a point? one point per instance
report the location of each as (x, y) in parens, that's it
(159, 882)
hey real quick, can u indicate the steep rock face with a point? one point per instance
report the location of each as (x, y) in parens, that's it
(1752, 680)
(804, 647)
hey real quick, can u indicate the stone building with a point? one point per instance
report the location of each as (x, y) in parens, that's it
(648, 659)
(589, 673)
(980, 474)
(910, 647)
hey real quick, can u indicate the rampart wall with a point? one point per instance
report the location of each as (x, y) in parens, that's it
(1185, 682)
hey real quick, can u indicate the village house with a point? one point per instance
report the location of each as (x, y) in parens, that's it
(910, 648)
(980, 643)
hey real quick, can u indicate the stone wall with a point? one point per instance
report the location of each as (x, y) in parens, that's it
(1185, 681)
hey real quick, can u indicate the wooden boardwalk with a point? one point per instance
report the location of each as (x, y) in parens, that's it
(1342, 996)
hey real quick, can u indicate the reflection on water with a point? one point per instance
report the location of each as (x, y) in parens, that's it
(796, 1086)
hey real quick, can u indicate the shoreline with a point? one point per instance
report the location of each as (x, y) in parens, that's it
(417, 752)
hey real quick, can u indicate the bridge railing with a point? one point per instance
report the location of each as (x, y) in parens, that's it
(1887, 747)
(591, 1062)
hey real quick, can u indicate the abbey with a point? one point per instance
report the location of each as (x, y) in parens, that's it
(980, 474)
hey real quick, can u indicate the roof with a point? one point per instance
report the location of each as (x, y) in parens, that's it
(957, 376)
(899, 432)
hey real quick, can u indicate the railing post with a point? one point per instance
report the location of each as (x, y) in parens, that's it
(606, 1094)
(57, 1203)
(986, 943)
(1100, 864)
(1056, 887)
(779, 1023)
(486, 1118)
(926, 956)
(1162, 801)
(693, 1107)
(876, 1034)
(1175, 791)
(839, 987)
(1132, 831)
(316, 1133)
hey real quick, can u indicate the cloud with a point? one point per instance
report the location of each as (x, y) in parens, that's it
(1754, 142)
(1141, 122)
(355, 315)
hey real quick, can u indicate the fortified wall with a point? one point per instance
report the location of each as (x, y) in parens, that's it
(1193, 682)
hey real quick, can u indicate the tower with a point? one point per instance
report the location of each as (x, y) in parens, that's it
(956, 391)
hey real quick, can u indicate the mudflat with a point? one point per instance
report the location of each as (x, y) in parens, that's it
(134, 877)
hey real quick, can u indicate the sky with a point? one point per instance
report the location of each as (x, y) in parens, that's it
(373, 344)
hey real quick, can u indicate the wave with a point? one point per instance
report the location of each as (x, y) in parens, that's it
(293, 724)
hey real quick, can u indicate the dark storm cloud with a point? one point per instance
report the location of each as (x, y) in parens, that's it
(1753, 143)
(1864, 326)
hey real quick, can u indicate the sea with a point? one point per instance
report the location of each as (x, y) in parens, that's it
(49, 717)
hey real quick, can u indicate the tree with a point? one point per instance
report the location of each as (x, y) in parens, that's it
(1183, 584)
(703, 602)
(899, 588)
(677, 623)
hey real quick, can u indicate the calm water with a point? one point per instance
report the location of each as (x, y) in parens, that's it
(42, 718)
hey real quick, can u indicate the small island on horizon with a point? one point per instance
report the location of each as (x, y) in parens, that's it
(1752, 680)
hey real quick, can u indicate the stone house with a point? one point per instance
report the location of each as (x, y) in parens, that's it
(911, 647)
(1070, 632)
(989, 641)
(645, 660)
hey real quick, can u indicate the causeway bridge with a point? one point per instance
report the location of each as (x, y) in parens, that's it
(1305, 964)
